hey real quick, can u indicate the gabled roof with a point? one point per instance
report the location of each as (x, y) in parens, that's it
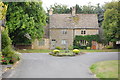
(69, 21)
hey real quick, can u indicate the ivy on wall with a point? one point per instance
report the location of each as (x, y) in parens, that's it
(88, 38)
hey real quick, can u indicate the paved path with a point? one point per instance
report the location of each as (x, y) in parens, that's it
(42, 65)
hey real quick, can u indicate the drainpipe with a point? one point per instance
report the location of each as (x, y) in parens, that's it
(73, 35)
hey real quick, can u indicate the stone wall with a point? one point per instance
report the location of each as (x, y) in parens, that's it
(23, 46)
(36, 44)
(88, 31)
(57, 35)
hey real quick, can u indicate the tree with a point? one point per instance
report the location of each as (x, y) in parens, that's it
(3, 9)
(78, 9)
(60, 9)
(111, 22)
(88, 9)
(25, 21)
(100, 12)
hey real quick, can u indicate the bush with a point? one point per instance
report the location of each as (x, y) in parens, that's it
(88, 47)
(10, 56)
(109, 47)
(75, 47)
(82, 47)
(6, 41)
(5, 60)
(76, 51)
(56, 51)
(59, 48)
(7, 51)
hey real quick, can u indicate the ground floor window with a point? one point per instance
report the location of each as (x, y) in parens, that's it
(83, 42)
(42, 42)
(63, 42)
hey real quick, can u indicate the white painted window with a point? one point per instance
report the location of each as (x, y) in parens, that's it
(64, 42)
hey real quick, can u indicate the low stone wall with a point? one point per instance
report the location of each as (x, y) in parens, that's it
(35, 44)
(23, 46)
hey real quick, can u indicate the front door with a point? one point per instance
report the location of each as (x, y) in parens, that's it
(53, 44)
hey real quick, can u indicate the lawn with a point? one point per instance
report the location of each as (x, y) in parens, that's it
(106, 69)
(81, 50)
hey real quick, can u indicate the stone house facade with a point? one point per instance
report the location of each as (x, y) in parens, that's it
(64, 27)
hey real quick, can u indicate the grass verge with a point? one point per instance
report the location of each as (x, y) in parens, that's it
(47, 51)
(106, 69)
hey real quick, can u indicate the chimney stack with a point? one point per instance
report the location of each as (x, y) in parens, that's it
(50, 12)
(73, 11)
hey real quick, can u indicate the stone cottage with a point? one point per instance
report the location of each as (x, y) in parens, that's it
(64, 27)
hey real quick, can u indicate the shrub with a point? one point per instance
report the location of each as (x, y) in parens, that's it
(56, 51)
(75, 47)
(70, 47)
(76, 51)
(7, 51)
(109, 47)
(59, 48)
(10, 55)
(6, 41)
(88, 47)
(5, 60)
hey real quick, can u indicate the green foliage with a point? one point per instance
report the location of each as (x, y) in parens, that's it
(66, 54)
(10, 55)
(60, 8)
(76, 51)
(6, 41)
(88, 38)
(3, 9)
(56, 51)
(7, 51)
(111, 22)
(59, 48)
(88, 47)
(109, 47)
(26, 21)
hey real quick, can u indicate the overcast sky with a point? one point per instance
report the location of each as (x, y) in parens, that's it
(69, 3)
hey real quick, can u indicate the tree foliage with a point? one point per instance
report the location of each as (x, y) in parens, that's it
(111, 22)
(59, 9)
(25, 21)
(3, 9)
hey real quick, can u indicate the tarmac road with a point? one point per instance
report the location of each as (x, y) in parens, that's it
(42, 65)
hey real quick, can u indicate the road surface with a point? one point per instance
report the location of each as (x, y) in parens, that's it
(42, 65)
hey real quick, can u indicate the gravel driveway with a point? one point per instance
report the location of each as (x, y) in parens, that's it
(42, 65)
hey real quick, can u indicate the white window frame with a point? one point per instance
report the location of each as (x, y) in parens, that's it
(64, 42)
